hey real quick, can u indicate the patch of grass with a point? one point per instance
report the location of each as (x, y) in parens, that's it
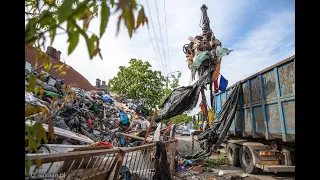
(221, 160)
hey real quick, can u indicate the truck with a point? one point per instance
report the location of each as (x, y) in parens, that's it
(262, 134)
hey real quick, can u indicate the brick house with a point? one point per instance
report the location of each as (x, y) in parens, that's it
(71, 76)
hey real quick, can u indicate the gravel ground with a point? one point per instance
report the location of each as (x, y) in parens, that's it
(214, 175)
(184, 146)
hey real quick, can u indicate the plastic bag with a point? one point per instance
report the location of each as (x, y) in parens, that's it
(220, 52)
(202, 56)
(123, 118)
(29, 98)
(182, 99)
(141, 110)
(106, 98)
(59, 122)
(51, 94)
(157, 133)
(96, 108)
(221, 173)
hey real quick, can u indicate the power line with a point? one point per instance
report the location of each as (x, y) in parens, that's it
(152, 26)
(164, 54)
(154, 49)
(165, 20)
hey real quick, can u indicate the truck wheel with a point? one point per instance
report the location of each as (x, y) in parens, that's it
(232, 151)
(246, 160)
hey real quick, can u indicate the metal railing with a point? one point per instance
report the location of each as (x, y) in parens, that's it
(101, 163)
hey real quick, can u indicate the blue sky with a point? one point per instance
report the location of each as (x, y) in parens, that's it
(260, 32)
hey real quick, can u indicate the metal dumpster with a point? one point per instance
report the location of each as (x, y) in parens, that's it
(267, 104)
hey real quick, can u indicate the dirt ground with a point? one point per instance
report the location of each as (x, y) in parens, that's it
(184, 146)
(214, 176)
(232, 173)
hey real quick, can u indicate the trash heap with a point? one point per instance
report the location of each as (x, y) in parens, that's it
(85, 117)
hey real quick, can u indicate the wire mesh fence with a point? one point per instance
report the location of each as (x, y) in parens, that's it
(100, 163)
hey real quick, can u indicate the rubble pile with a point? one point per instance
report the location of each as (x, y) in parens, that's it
(96, 115)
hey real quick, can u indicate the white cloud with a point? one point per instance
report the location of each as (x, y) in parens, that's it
(261, 47)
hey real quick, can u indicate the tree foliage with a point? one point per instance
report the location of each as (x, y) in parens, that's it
(45, 17)
(183, 118)
(175, 81)
(139, 82)
(171, 84)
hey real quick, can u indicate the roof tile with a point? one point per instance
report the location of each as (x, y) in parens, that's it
(71, 76)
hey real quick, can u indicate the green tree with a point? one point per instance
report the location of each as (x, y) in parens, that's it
(139, 81)
(171, 84)
(175, 81)
(183, 118)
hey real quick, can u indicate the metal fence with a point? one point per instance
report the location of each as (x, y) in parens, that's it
(121, 163)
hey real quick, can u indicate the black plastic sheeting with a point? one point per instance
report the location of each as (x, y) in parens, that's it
(162, 165)
(211, 138)
(183, 98)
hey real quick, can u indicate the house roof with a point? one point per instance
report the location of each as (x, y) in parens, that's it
(71, 76)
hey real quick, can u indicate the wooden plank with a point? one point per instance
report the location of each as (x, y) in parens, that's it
(132, 136)
(110, 172)
(81, 154)
(194, 40)
(173, 151)
(105, 173)
(90, 148)
(71, 155)
(137, 148)
(151, 123)
(118, 167)
(111, 167)
(64, 133)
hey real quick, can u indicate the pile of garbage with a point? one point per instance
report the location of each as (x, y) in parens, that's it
(84, 117)
(187, 169)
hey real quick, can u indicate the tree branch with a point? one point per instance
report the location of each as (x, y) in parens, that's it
(30, 13)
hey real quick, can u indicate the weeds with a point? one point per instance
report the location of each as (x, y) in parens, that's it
(221, 160)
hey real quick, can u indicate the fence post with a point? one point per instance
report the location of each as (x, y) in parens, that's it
(119, 165)
(173, 159)
(173, 130)
(192, 143)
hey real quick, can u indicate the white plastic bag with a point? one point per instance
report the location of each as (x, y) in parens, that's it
(156, 136)
(221, 173)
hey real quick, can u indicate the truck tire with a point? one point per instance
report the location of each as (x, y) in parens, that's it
(232, 151)
(246, 160)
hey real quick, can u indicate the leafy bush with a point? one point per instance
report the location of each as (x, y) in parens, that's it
(221, 160)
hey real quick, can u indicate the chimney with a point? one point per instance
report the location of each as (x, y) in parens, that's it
(98, 82)
(52, 52)
(103, 83)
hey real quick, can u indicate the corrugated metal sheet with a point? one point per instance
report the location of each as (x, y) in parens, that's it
(71, 76)
(267, 104)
